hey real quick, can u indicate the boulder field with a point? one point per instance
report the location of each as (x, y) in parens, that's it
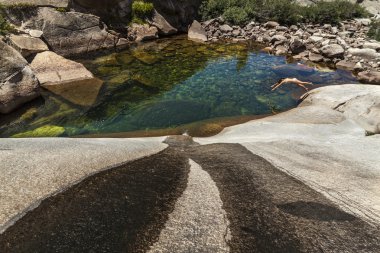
(301, 181)
(346, 46)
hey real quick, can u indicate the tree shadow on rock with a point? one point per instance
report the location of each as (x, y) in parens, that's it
(315, 211)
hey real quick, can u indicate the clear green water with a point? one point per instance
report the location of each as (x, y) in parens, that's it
(168, 83)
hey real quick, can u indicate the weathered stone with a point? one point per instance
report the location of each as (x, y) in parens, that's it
(197, 33)
(333, 51)
(69, 33)
(372, 45)
(163, 26)
(144, 32)
(18, 84)
(178, 13)
(360, 103)
(27, 45)
(367, 53)
(346, 65)
(315, 39)
(271, 24)
(66, 78)
(226, 28)
(36, 33)
(297, 46)
(315, 57)
(276, 38)
(371, 77)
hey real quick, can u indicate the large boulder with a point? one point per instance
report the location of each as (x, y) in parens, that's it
(144, 32)
(163, 26)
(18, 84)
(69, 33)
(27, 45)
(360, 103)
(197, 33)
(367, 53)
(180, 14)
(371, 77)
(333, 51)
(66, 78)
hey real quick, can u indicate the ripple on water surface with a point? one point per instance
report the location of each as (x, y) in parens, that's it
(170, 84)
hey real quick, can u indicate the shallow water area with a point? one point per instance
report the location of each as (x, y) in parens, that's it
(169, 86)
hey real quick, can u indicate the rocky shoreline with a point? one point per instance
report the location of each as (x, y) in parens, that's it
(346, 46)
(71, 28)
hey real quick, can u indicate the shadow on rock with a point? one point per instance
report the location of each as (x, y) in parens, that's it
(316, 211)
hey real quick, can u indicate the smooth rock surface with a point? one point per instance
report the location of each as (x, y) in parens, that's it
(198, 222)
(27, 45)
(163, 26)
(332, 156)
(332, 51)
(18, 83)
(372, 77)
(360, 103)
(34, 169)
(197, 33)
(66, 78)
(70, 33)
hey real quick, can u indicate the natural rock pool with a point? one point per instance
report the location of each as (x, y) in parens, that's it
(169, 86)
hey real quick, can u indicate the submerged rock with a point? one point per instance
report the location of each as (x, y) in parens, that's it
(66, 78)
(18, 84)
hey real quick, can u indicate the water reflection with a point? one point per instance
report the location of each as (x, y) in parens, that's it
(169, 83)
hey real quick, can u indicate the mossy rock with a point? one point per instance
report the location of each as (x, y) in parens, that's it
(145, 57)
(107, 60)
(108, 70)
(206, 130)
(125, 58)
(45, 131)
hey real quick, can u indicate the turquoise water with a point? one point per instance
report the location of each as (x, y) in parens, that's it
(170, 83)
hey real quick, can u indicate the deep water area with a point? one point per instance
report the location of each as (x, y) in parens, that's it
(170, 86)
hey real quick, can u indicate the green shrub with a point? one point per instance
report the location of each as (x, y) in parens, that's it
(334, 12)
(5, 27)
(236, 15)
(283, 11)
(141, 11)
(374, 31)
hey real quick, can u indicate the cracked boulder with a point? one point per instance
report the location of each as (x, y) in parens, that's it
(66, 78)
(360, 103)
(70, 33)
(27, 45)
(18, 84)
(180, 14)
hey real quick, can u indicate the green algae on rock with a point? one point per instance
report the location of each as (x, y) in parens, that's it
(45, 131)
(172, 83)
